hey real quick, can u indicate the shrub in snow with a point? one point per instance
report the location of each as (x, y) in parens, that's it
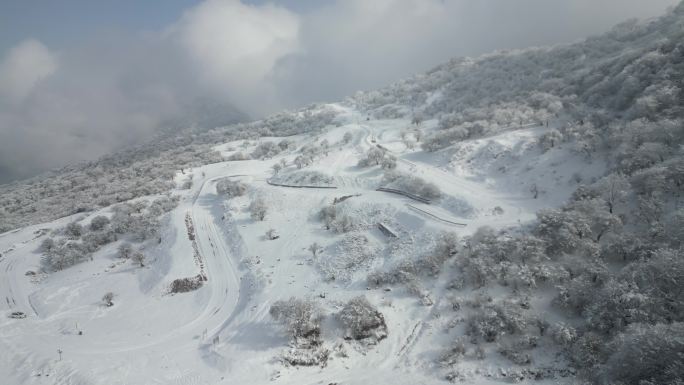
(563, 335)
(411, 184)
(303, 178)
(445, 138)
(375, 155)
(107, 299)
(350, 254)
(311, 356)
(64, 255)
(230, 188)
(271, 234)
(494, 320)
(139, 259)
(73, 230)
(454, 353)
(47, 245)
(302, 161)
(238, 156)
(258, 209)
(447, 246)
(184, 285)
(315, 248)
(347, 137)
(389, 163)
(99, 222)
(163, 205)
(337, 220)
(94, 240)
(125, 251)
(550, 139)
(516, 349)
(301, 319)
(266, 150)
(362, 321)
(587, 350)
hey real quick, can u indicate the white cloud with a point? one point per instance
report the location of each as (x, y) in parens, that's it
(23, 68)
(235, 47)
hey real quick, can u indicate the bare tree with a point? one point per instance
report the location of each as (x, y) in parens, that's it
(375, 155)
(139, 258)
(613, 189)
(276, 168)
(315, 248)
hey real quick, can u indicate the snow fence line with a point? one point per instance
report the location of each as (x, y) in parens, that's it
(293, 186)
(435, 216)
(404, 193)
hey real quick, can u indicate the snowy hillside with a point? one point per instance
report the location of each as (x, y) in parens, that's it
(445, 229)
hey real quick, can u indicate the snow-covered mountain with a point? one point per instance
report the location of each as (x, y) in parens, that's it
(514, 217)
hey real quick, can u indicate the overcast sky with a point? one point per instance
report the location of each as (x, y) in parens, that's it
(80, 78)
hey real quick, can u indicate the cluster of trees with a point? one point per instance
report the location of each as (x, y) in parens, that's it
(362, 321)
(310, 152)
(303, 178)
(146, 169)
(269, 149)
(629, 73)
(377, 156)
(302, 320)
(352, 253)
(230, 188)
(136, 222)
(411, 184)
(335, 218)
(613, 254)
(410, 272)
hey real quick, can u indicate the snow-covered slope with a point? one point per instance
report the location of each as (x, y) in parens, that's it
(222, 332)
(463, 225)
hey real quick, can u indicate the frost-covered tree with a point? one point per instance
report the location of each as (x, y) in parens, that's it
(47, 245)
(614, 189)
(347, 138)
(389, 163)
(302, 161)
(646, 354)
(362, 320)
(139, 259)
(98, 223)
(550, 139)
(314, 248)
(276, 168)
(73, 230)
(300, 317)
(258, 209)
(230, 188)
(375, 155)
(125, 251)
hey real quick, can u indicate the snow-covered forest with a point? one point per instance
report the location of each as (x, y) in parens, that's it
(515, 217)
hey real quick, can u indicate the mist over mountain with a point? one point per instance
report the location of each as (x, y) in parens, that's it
(78, 81)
